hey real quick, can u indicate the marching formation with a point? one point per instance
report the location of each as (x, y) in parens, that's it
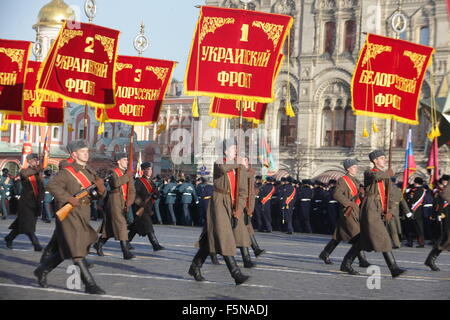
(364, 220)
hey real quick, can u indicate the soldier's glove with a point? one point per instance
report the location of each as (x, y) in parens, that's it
(234, 222)
(389, 216)
(354, 206)
(129, 203)
(100, 185)
(409, 215)
(74, 201)
(390, 172)
(197, 202)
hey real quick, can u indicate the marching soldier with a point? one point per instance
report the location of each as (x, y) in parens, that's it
(146, 194)
(159, 183)
(374, 235)
(74, 235)
(248, 214)
(305, 195)
(332, 206)
(265, 198)
(256, 219)
(204, 192)
(29, 204)
(348, 194)
(170, 197)
(442, 215)
(47, 211)
(119, 201)
(6, 186)
(415, 198)
(187, 191)
(287, 204)
(224, 218)
(394, 226)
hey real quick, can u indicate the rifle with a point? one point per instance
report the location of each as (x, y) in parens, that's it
(141, 210)
(64, 211)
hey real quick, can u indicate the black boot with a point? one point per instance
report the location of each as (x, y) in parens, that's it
(50, 263)
(214, 259)
(99, 246)
(246, 258)
(131, 235)
(89, 282)
(9, 238)
(127, 255)
(256, 250)
(154, 242)
(34, 240)
(329, 248)
(346, 265)
(392, 265)
(234, 270)
(431, 259)
(363, 263)
(197, 263)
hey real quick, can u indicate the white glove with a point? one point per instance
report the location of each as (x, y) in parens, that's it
(409, 215)
(196, 202)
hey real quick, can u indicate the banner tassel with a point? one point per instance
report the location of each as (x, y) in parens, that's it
(289, 109)
(195, 113)
(365, 133)
(434, 133)
(374, 127)
(213, 123)
(161, 128)
(4, 127)
(101, 128)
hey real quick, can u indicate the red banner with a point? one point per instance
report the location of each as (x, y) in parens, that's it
(254, 111)
(51, 111)
(80, 66)
(141, 86)
(234, 52)
(388, 78)
(13, 63)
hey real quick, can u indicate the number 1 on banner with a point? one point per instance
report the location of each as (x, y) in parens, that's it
(244, 34)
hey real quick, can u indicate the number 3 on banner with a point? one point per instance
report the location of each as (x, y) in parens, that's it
(138, 75)
(90, 43)
(244, 34)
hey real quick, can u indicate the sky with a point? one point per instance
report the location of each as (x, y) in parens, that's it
(169, 24)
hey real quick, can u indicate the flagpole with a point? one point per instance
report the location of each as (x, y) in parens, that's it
(90, 9)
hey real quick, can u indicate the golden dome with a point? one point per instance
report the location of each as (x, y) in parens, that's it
(53, 14)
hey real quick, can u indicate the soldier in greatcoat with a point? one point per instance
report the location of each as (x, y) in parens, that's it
(119, 201)
(223, 231)
(348, 194)
(29, 204)
(146, 194)
(443, 215)
(374, 215)
(74, 235)
(394, 227)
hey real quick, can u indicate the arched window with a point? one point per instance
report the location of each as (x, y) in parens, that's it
(339, 125)
(330, 37)
(424, 35)
(350, 36)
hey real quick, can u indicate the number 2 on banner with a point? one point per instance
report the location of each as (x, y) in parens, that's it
(90, 43)
(244, 34)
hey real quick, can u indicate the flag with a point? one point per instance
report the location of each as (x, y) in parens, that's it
(80, 66)
(388, 78)
(433, 163)
(13, 64)
(46, 155)
(410, 162)
(139, 171)
(234, 54)
(26, 150)
(141, 86)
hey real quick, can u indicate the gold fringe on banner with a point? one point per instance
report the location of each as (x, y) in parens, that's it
(289, 109)
(365, 133)
(195, 113)
(4, 127)
(101, 128)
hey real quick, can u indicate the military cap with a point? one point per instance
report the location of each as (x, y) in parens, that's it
(76, 145)
(120, 155)
(284, 179)
(290, 179)
(5, 170)
(32, 156)
(418, 180)
(147, 165)
(349, 163)
(445, 177)
(258, 177)
(376, 154)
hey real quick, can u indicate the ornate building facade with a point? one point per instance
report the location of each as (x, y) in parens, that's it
(325, 41)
